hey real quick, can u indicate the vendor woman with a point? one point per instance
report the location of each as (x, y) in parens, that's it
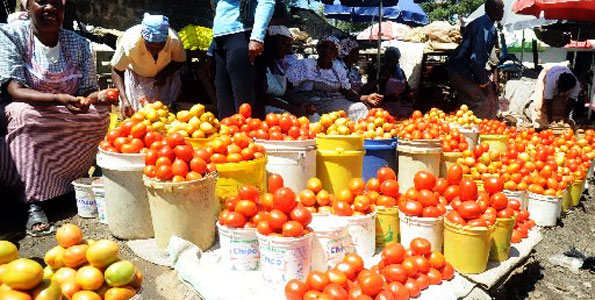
(146, 65)
(323, 82)
(48, 136)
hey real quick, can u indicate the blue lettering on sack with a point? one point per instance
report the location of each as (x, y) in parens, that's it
(271, 261)
(337, 249)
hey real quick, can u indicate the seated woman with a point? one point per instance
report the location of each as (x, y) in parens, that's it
(48, 135)
(278, 57)
(323, 82)
(348, 57)
(393, 85)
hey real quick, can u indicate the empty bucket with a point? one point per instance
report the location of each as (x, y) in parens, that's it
(85, 198)
(544, 210)
(295, 161)
(415, 156)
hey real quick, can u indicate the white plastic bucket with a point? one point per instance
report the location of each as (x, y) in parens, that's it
(185, 209)
(362, 231)
(431, 229)
(239, 248)
(521, 196)
(99, 193)
(283, 259)
(128, 212)
(471, 135)
(415, 156)
(85, 199)
(544, 210)
(330, 244)
(295, 161)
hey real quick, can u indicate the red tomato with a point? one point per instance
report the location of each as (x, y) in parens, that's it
(506, 213)
(493, 185)
(514, 204)
(436, 259)
(167, 152)
(164, 172)
(275, 182)
(371, 284)
(434, 276)
(276, 219)
(412, 208)
(395, 272)
(441, 186)
(424, 180)
(113, 134)
(431, 212)
(420, 246)
(451, 192)
(150, 171)
(410, 266)
(342, 208)
(184, 152)
(454, 175)
(335, 292)
(138, 130)
(499, 201)
(248, 192)
(198, 165)
(292, 229)
(317, 280)
(179, 168)
(468, 190)
(245, 110)
(151, 137)
(422, 281)
(151, 157)
(390, 187)
(399, 291)
(454, 217)
(447, 271)
(264, 228)
(469, 210)
(356, 262)
(295, 290)
(477, 223)
(284, 200)
(385, 173)
(301, 215)
(234, 220)
(427, 198)
(126, 127)
(246, 208)
(175, 139)
(412, 288)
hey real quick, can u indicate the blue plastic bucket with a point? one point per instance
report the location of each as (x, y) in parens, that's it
(379, 153)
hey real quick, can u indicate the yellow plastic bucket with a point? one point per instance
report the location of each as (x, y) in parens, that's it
(501, 239)
(448, 159)
(337, 142)
(497, 142)
(576, 190)
(199, 142)
(335, 168)
(234, 175)
(467, 248)
(387, 225)
(114, 121)
(567, 199)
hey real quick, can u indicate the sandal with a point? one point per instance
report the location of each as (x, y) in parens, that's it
(37, 222)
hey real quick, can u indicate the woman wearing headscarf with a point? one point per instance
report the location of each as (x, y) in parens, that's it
(146, 65)
(349, 56)
(323, 82)
(52, 116)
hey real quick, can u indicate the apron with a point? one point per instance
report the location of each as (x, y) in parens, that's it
(65, 82)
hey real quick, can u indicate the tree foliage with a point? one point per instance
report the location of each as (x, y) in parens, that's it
(450, 10)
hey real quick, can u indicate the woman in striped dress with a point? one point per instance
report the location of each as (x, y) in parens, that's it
(52, 116)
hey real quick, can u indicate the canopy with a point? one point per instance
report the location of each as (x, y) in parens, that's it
(362, 3)
(406, 12)
(512, 21)
(571, 10)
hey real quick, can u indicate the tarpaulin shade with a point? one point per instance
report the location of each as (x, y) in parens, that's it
(363, 3)
(405, 12)
(571, 10)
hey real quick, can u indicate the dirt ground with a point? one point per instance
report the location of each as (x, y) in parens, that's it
(537, 279)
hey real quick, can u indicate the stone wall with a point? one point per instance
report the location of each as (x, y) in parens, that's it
(122, 14)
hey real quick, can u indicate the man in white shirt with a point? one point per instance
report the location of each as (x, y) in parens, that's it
(560, 92)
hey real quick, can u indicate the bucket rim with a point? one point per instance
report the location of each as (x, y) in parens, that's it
(540, 197)
(77, 183)
(284, 239)
(358, 217)
(246, 230)
(474, 230)
(493, 136)
(340, 152)
(151, 182)
(338, 136)
(230, 166)
(425, 219)
(131, 155)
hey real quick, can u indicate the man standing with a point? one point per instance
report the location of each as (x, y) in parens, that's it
(467, 65)
(239, 29)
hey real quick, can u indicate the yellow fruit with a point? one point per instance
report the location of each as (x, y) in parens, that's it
(85, 295)
(14, 295)
(207, 128)
(75, 256)
(152, 115)
(23, 274)
(47, 291)
(197, 110)
(89, 278)
(48, 273)
(183, 116)
(198, 134)
(102, 253)
(69, 235)
(63, 274)
(8, 252)
(119, 293)
(69, 288)
(120, 273)
(54, 257)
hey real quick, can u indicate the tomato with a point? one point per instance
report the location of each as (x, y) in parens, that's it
(451, 192)
(386, 173)
(175, 139)
(113, 134)
(245, 110)
(151, 157)
(399, 291)
(295, 290)
(317, 280)
(292, 229)
(362, 203)
(454, 217)
(264, 228)
(386, 201)
(447, 271)
(506, 213)
(516, 237)
(335, 292)
(150, 171)
(434, 276)
(412, 287)
(184, 152)
(480, 222)
(412, 208)
(138, 130)
(357, 186)
(276, 219)
(164, 172)
(284, 200)
(454, 175)
(120, 141)
(346, 269)
(234, 220)
(469, 210)
(344, 195)
(390, 187)
(179, 168)
(246, 207)
(307, 198)
(410, 266)
(493, 185)
(112, 95)
(431, 212)
(395, 272)
(198, 165)
(275, 182)
(342, 208)
(337, 277)
(441, 186)
(373, 184)
(468, 190)
(301, 215)
(248, 192)
(427, 198)
(424, 180)
(126, 127)
(436, 259)
(371, 284)
(312, 295)
(167, 152)
(499, 201)
(163, 161)
(314, 184)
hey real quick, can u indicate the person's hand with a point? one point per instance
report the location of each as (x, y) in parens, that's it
(374, 99)
(126, 109)
(255, 48)
(73, 104)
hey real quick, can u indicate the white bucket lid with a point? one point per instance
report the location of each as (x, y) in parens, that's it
(120, 161)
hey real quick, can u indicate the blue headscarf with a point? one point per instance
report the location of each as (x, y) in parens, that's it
(155, 28)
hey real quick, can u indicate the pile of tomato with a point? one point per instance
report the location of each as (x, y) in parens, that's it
(334, 123)
(454, 141)
(379, 124)
(428, 127)
(131, 137)
(226, 149)
(315, 198)
(400, 275)
(425, 198)
(463, 118)
(494, 127)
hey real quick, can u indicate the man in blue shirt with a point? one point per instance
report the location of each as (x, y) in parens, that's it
(467, 65)
(239, 29)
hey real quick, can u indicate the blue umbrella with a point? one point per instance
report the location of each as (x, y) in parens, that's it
(406, 12)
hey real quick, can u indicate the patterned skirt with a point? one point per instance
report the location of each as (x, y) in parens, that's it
(44, 148)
